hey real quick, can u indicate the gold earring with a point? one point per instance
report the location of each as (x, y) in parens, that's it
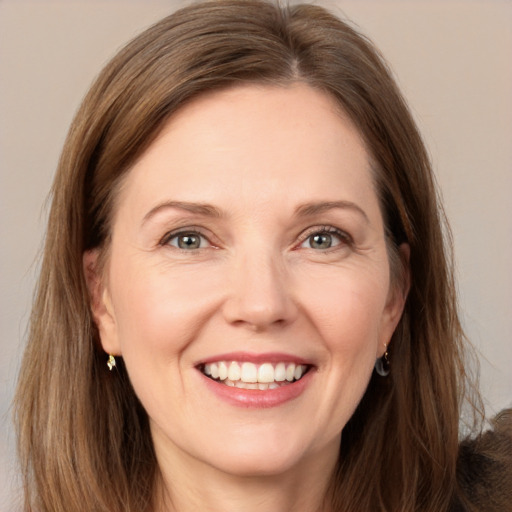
(111, 362)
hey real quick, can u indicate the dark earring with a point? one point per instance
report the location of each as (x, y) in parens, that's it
(382, 364)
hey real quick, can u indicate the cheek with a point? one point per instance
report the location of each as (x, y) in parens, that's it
(350, 308)
(158, 315)
(347, 315)
(159, 309)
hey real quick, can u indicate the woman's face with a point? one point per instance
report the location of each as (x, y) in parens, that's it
(248, 284)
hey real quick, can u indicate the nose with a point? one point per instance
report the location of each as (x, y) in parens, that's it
(259, 293)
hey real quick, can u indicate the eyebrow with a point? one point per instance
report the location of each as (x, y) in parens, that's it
(207, 210)
(310, 209)
(204, 209)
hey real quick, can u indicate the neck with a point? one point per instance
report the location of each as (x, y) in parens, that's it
(194, 486)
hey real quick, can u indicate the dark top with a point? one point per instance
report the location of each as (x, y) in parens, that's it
(484, 469)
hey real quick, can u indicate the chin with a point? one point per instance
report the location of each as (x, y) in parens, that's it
(258, 465)
(259, 457)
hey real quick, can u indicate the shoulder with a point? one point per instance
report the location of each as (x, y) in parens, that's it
(484, 469)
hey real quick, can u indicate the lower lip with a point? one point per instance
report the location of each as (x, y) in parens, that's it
(258, 399)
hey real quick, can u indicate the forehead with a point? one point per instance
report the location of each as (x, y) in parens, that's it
(256, 144)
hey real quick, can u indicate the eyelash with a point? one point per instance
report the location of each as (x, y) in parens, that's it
(183, 232)
(343, 237)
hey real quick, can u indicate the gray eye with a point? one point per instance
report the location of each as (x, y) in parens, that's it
(320, 241)
(323, 240)
(186, 241)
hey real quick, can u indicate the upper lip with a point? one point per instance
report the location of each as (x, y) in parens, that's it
(250, 357)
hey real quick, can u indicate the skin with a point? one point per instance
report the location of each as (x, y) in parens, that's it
(257, 284)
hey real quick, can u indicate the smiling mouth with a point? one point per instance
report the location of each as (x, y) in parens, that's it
(246, 375)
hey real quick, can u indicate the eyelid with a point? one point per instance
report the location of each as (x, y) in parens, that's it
(345, 237)
(186, 230)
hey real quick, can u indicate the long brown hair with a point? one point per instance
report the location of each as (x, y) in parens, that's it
(84, 441)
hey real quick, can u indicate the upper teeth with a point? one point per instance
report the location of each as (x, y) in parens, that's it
(252, 373)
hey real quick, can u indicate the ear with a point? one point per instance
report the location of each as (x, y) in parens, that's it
(101, 302)
(396, 299)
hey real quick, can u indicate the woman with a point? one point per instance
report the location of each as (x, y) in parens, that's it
(244, 224)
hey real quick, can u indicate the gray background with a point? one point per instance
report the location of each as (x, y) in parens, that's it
(453, 60)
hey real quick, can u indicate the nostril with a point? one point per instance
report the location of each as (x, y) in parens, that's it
(248, 313)
(257, 292)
